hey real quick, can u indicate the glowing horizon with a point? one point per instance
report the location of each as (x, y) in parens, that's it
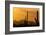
(20, 13)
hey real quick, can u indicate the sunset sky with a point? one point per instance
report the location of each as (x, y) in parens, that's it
(20, 13)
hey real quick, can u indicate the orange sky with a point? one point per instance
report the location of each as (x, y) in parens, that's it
(20, 13)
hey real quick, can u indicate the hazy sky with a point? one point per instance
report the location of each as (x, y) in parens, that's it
(20, 13)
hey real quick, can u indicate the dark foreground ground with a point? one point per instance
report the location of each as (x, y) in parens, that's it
(25, 24)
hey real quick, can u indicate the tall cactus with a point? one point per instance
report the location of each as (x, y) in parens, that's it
(26, 19)
(36, 20)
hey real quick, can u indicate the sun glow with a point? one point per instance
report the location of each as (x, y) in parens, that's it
(20, 13)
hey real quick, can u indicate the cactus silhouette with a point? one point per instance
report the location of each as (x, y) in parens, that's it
(36, 20)
(26, 19)
(25, 22)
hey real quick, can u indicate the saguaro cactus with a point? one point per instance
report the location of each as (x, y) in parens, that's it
(36, 20)
(26, 19)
